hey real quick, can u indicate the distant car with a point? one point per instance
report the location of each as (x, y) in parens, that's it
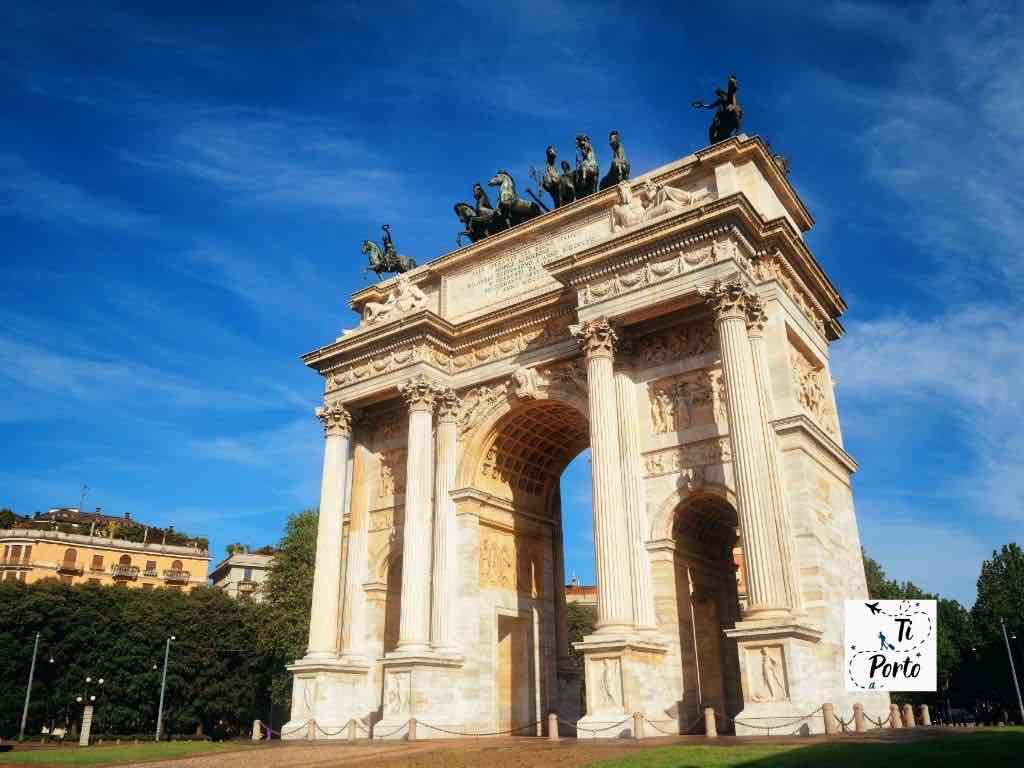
(961, 717)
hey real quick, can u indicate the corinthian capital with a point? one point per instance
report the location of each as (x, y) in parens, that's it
(728, 298)
(336, 418)
(596, 337)
(448, 404)
(757, 319)
(420, 392)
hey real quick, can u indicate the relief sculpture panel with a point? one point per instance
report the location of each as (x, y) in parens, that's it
(510, 562)
(687, 400)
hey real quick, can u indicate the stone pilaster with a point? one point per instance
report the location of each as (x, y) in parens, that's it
(323, 624)
(414, 627)
(445, 530)
(353, 625)
(756, 321)
(633, 497)
(766, 584)
(614, 602)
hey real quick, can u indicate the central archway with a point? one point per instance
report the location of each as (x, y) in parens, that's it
(514, 465)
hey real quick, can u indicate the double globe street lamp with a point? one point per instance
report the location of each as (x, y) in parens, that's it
(88, 700)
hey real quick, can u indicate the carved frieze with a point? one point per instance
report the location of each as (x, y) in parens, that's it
(809, 378)
(403, 299)
(388, 361)
(382, 520)
(659, 266)
(510, 562)
(391, 481)
(676, 343)
(512, 343)
(478, 402)
(673, 460)
(687, 400)
(774, 267)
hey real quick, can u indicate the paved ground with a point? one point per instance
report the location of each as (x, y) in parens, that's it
(464, 753)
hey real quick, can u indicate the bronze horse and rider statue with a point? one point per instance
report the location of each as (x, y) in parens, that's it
(386, 260)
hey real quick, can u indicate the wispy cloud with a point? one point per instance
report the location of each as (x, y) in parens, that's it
(28, 193)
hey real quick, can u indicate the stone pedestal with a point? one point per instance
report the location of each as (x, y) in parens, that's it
(329, 693)
(425, 688)
(624, 675)
(778, 676)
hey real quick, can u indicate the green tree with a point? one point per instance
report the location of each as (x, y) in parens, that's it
(1000, 596)
(288, 592)
(7, 517)
(580, 620)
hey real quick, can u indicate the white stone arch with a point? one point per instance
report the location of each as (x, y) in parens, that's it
(663, 521)
(479, 437)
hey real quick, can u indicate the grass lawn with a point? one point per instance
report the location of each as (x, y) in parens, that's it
(113, 755)
(990, 748)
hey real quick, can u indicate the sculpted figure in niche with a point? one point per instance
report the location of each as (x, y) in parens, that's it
(629, 212)
(663, 412)
(609, 685)
(526, 383)
(771, 676)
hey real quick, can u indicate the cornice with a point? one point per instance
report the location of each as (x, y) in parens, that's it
(819, 438)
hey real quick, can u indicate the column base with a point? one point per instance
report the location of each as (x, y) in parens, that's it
(424, 686)
(624, 675)
(778, 676)
(330, 693)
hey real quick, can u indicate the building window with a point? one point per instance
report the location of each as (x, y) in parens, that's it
(147, 586)
(248, 574)
(97, 562)
(21, 577)
(151, 567)
(10, 576)
(125, 560)
(176, 565)
(15, 553)
(70, 556)
(7, 552)
(27, 555)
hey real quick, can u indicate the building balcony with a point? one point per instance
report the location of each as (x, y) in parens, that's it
(151, 573)
(15, 564)
(247, 587)
(177, 577)
(129, 572)
(70, 568)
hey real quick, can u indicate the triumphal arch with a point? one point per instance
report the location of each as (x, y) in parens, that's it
(677, 325)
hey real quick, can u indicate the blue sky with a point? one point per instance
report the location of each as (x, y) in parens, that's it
(183, 191)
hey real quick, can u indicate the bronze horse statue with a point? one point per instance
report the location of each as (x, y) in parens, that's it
(512, 208)
(386, 260)
(728, 115)
(478, 221)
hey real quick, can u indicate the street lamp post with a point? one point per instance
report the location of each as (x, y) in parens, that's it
(28, 690)
(87, 700)
(163, 686)
(1013, 669)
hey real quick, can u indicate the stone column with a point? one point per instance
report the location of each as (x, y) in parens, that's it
(761, 554)
(323, 617)
(756, 321)
(633, 498)
(353, 623)
(414, 626)
(445, 530)
(614, 603)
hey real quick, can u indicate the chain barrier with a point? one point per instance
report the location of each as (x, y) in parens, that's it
(392, 733)
(328, 733)
(360, 726)
(655, 726)
(768, 728)
(596, 730)
(298, 728)
(881, 722)
(844, 724)
(488, 733)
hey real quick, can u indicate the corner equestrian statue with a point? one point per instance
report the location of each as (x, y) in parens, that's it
(587, 170)
(619, 171)
(478, 221)
(512, 209)
(387, 260)
(549, 181)
(729, 114)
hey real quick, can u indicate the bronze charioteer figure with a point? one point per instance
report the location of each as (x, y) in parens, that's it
(728, 112)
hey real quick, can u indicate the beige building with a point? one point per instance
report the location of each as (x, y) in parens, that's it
(679, 326)
(242, 574)
(30, 555)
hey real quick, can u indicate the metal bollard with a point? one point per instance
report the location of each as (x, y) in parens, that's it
(829, 713)
(710, 727)
(412, 729)
(858, 718)
(311, 730)
(352, 729)
(894, 716)
(553, 726)
(638, 725)
(926, 717)
(908, 716)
